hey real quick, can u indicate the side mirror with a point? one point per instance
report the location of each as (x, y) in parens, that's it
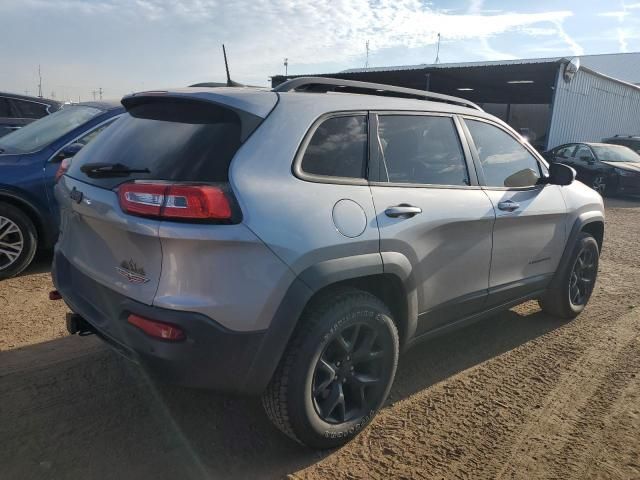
(522, 178)
(560, 174)
(69, 151)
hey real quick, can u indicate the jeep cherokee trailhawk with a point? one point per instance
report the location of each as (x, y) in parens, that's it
(291, 242)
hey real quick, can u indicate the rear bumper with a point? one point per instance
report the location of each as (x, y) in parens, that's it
(211, 357)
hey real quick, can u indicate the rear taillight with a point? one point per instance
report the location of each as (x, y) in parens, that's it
(175, 201)
(153, 328)
(63, 168)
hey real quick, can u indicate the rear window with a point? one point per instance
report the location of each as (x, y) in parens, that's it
(175, 141)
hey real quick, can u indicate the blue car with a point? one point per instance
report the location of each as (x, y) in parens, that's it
(31, 160)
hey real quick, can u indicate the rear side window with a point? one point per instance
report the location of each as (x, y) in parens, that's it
(181, 141)
(505, 161)
(4, 108)
(27, 109)
(565, 152)
(421, 149)
(338, 148)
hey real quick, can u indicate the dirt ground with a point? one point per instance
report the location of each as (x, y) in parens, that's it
(519, 395)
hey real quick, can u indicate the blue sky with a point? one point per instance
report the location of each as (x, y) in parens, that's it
(130, 45)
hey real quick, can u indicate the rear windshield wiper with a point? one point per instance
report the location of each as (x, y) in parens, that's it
(105, 170)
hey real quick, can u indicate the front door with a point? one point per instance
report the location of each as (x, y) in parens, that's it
(431, 211)
(529, 232)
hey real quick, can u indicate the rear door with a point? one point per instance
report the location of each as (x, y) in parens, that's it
(431, 210)
(529, 231)
(165, 140)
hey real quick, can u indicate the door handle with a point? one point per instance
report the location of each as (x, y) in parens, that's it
(403, 211)
(508, 206)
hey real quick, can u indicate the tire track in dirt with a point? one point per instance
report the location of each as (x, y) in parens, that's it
(466, 427)
(552, 437)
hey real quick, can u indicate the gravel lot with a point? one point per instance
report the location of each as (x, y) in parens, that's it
(519, 395)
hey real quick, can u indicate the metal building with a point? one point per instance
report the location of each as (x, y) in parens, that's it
(549, 100)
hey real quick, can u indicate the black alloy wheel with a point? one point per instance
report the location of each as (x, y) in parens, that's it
(583, 276)
(347, 381)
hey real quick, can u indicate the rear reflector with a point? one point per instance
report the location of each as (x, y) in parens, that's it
(171, 201)
(153, 328)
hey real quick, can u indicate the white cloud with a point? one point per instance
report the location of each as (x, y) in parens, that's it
(157, 41)
(312, 32)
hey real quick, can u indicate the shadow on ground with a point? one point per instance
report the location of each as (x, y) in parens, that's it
(72, 411)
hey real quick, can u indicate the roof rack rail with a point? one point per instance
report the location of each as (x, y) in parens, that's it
(326, 84)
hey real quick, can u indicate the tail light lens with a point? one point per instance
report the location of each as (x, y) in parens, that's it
(153, 328)
(63, 168)
(170, 201)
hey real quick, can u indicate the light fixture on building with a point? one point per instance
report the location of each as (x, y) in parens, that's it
(465, 89)
(513, 82)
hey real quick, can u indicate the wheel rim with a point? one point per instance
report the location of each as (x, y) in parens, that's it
(11, 242)
(599, 185)
(583, 277)
(348, 378)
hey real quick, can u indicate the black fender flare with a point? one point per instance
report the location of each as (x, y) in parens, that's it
(582, 221)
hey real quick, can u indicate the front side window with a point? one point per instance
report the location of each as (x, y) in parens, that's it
(338, 148)
(505, 161)
(421, 149)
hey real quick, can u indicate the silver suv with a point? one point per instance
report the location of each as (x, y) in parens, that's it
(291, 242)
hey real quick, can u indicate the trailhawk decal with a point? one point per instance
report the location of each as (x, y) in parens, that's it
(132, 272)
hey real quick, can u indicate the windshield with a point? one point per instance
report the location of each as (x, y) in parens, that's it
(615, 153)
(41, 133)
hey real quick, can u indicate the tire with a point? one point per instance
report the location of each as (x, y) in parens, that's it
(301, 393)
(561, 300)
(599, 184)
(18, 241)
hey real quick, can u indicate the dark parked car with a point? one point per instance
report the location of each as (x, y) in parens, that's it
(608, 169)
(631, 141)
(30, 161)
(19, 110)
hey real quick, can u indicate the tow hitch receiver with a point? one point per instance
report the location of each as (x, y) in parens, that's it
(77, 324)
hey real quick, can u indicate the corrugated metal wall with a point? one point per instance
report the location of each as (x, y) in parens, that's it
(591, 107)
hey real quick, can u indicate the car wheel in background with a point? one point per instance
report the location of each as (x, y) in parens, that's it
(337, 370)
(599, 184)
(577, 280)
(18, 241)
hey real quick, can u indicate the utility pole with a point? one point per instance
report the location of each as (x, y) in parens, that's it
(286, 67)
(438, 51)
(93, 92)
(53, 95)
(366, 62)
(100, 92)
(39, 82)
